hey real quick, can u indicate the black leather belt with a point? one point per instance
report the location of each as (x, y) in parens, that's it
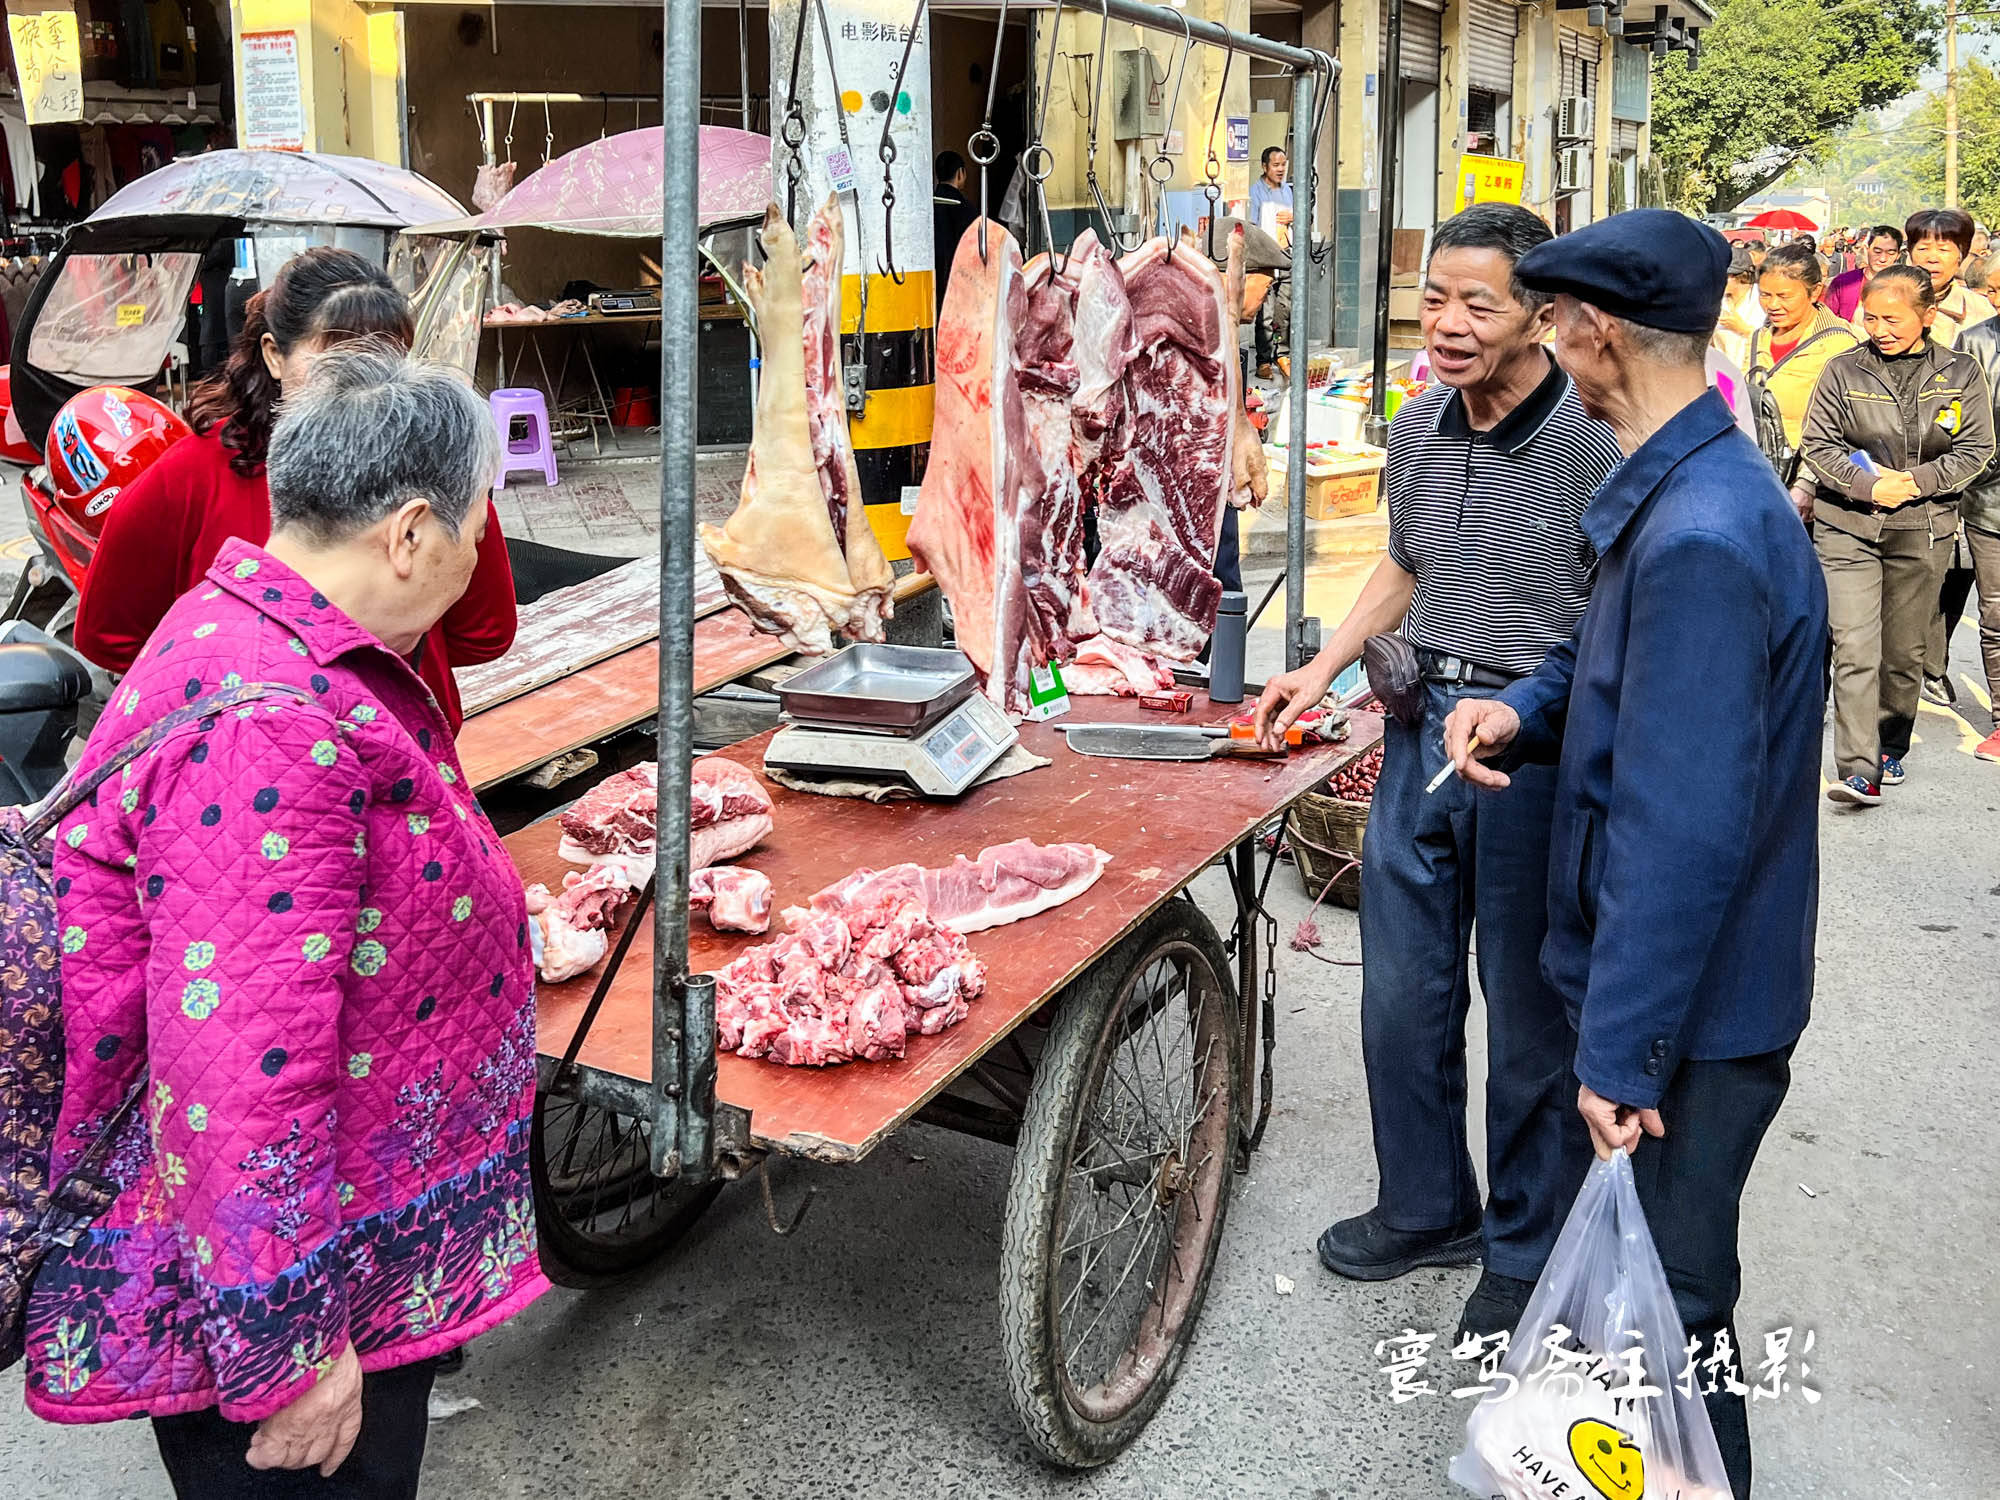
(1456, 671)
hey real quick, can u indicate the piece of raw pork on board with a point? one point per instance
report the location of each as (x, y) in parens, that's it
(999, 521)
(779, 554)
(1163, 479)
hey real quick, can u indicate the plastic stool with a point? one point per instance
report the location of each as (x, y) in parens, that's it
(534, 451)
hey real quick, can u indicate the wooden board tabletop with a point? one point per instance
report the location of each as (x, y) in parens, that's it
(599, 700)
(571, 628)
(1161, 822)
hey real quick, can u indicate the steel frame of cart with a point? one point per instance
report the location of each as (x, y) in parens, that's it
(1132, 1092)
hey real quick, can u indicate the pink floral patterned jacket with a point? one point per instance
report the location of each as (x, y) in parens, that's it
(295, 920)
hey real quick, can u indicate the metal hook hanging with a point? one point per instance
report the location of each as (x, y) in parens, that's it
(548, 134)
(1212, 169)
(984, 147)
(793, 131)
(512, 111)
(1160, 170)
(886, 263)
(1090, 153)
(1058, 262)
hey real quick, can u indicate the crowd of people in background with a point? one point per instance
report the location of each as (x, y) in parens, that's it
(1870, 363)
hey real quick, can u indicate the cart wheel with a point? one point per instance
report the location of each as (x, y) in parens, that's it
(600, 1213)
(1119, 1189)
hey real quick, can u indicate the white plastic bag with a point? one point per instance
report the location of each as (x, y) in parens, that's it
(1589, 1396)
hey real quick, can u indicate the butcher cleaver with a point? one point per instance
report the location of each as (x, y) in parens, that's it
(1144, 742)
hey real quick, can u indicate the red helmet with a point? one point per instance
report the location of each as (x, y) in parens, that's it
(100, 442)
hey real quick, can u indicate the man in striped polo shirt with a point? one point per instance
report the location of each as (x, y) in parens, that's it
(1487, 570)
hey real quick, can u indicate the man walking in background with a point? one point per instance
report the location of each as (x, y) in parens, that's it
(1274, 317)
(1882, 250)
(1681, 926)
(1487, 570)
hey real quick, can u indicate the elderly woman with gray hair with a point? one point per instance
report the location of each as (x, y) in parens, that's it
(297, 984)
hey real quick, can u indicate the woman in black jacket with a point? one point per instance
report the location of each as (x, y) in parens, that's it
(1896, 431)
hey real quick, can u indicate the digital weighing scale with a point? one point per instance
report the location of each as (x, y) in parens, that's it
(906, 715)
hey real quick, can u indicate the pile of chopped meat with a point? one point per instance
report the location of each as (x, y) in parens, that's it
(882, 953)
(846, 985)
(614, 829)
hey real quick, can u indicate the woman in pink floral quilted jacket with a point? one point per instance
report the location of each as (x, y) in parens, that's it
(291, 919)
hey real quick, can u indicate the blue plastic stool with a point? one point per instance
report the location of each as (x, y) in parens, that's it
(536, 449)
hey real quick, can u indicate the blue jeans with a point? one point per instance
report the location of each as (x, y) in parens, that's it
(1433, 868)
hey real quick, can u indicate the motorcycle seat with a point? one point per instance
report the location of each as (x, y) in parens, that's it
(38, 678)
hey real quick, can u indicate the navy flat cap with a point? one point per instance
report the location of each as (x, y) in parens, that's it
(1651, 266)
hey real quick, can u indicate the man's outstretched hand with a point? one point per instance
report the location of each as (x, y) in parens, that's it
(1496, 725)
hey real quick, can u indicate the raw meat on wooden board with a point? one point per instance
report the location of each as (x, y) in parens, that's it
(826, 415)
(1108, 668)
(778, 555)
(573, 925)
(1250, 470)
(1163, 479)
(736, 900)
(1006, 883)
(849, 985)
(728, 812)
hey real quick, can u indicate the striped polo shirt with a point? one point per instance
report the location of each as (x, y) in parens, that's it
(1489, 522)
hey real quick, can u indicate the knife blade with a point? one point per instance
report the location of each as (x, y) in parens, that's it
(1135, 742)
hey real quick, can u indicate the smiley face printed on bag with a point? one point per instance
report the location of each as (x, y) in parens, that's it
(1608, 1460)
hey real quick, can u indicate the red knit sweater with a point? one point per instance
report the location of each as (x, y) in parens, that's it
(166, 529)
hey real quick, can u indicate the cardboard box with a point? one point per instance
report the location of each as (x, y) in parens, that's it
(1347, 484)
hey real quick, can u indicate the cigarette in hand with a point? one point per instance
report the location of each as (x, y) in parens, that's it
(1471, 748)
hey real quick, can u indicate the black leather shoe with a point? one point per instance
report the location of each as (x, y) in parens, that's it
(1495, 1306)
(1366, 1249)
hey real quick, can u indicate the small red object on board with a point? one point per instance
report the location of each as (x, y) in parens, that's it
(1179, 701)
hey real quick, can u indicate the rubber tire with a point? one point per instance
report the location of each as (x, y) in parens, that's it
(1048, 1126)
(586, 1262)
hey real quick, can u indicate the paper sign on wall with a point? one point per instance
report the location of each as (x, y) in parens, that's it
(1239, 138)
(272, 109)
(48, 57)
(1489, 179)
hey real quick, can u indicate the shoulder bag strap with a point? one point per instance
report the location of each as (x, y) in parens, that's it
(73, 793)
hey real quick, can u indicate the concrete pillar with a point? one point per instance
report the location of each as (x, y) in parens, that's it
(350, 72)
(1451, 107)
(1536, 74)
(1602, 130)
(892, 433)
(1358, 201)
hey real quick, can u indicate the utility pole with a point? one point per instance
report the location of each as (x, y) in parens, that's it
(1951, 103)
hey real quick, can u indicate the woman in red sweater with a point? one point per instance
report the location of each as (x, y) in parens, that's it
(166, 529)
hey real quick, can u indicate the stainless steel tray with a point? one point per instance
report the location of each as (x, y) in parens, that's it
(895, 687)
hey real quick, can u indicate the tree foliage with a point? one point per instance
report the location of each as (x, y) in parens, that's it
(1777, 80)
(1915, 161)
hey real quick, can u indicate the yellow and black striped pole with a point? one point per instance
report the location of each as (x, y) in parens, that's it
(894, 345)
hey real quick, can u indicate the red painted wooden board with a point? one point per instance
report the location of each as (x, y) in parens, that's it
(512, 738)
(1161, 822)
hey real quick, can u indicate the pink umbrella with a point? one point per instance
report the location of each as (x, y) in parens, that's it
(612, 187)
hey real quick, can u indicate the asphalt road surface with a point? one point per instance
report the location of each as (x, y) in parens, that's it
(860, 1357)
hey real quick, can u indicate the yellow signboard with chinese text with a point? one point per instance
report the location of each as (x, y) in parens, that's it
(1490, 179)
(48, 57)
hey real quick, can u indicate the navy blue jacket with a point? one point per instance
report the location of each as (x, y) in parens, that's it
(1686, 713)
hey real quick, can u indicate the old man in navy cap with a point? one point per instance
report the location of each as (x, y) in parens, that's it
(1685, 716)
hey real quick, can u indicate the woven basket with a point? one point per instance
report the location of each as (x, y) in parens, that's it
(1326, 835)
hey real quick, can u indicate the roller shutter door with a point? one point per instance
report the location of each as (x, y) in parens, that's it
(1624, 136)
(1423, 40)
(1490, 26)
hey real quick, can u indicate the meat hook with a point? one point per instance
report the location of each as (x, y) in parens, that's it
(1160, 160)
(778, 1227)
(984, 147)
(886, 263)
(1059, 263)
(1090, 154)
(1212, 190)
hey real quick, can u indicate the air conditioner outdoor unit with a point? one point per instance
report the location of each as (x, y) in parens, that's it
(1576, 119)
(1573, 170)
(1139, 105)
